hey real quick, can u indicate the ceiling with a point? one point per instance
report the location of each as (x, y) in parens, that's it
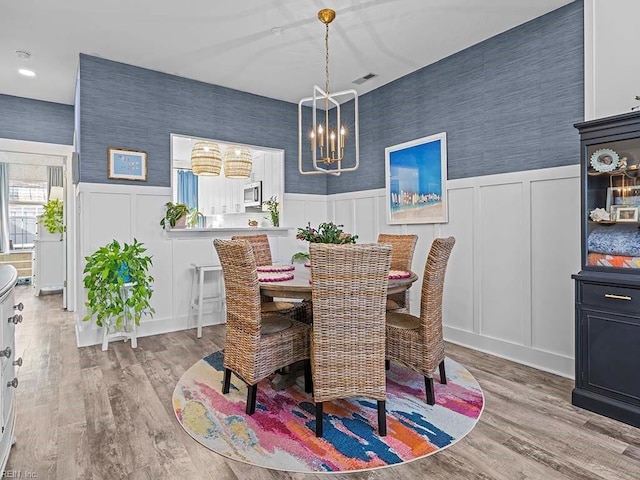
(231, 43)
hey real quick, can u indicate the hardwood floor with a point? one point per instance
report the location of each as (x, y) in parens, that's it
(84, 413)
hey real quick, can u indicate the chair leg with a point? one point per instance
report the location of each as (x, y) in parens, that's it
(318, 419)
(226, 383)
(428, 385)
(387, 364)
(308, 380)
(382, 418)
(443, 375)
(252, 393)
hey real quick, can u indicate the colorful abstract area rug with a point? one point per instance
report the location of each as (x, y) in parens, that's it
(280, 434)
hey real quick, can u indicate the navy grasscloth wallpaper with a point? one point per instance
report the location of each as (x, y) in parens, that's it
(131, 107)
(35, 120)
(507, 104)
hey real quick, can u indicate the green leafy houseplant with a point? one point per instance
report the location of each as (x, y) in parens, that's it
(106, 272)
(327, 232)
(52, 217)
(272, 206)
(175, 211)
(300, 257)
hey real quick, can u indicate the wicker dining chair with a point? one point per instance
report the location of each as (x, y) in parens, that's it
(349, 288)
(256, 345)
(262, 254)
(417, 343)
(402, 248)
(261, 248)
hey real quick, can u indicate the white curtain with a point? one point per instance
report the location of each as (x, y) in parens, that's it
(54, 178)
(4, 208)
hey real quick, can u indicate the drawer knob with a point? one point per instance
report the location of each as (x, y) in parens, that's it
(18, 362)
(13, 383)
(19, 307)
(617, 297)
(6, 352)
(16, 319)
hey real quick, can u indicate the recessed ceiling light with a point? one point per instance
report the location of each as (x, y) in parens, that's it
(27, 73)
(23, 54)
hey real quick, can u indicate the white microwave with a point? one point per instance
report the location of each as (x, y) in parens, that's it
(253, 194)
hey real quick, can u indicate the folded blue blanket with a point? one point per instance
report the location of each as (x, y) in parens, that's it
(615, 240)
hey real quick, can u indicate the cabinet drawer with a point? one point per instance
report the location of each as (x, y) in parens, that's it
(8, 391)
(8, 330)
(610, 297)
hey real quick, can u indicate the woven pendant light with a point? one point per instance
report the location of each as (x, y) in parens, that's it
(206, 158)
(237, 162)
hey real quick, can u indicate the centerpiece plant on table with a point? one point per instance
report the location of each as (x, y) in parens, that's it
(106, 272)
(327, 232)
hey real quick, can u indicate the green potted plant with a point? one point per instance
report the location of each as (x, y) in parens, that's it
(300, 257)
(175, 216)
(52, 218)
(327, 232)
(106, 272)
(272, 207)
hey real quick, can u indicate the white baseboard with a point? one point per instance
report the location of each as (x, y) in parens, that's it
(532, 357)
(92, 335)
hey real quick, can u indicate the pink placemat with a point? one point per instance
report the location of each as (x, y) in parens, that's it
(396, 274)
(275, 268)
(274, 277)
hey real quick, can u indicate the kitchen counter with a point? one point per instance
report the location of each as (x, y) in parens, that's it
(227, 231)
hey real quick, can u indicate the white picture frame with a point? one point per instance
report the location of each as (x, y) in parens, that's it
(416, 181)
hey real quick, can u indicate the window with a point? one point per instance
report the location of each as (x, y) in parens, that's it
(26, 200)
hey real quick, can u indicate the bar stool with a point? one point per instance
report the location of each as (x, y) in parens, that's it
(197, 298)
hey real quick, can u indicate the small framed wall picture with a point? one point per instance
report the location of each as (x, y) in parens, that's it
(127, 164)
(625, 214)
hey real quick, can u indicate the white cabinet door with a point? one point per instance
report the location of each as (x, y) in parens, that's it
(49, 266)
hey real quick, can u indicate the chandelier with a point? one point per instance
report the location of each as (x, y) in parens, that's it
(206, 158)
(237, 162)
(327, 140)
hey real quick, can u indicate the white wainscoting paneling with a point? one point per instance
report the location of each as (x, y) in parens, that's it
(508, 288)
(501, 262)
(460, 272)
(555, 232)
(122, 212)
(125, 212)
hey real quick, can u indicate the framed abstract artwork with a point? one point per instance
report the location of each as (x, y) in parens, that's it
(127, 164)
(416, 181)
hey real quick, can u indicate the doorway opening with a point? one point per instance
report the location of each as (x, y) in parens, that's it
(35, 190)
